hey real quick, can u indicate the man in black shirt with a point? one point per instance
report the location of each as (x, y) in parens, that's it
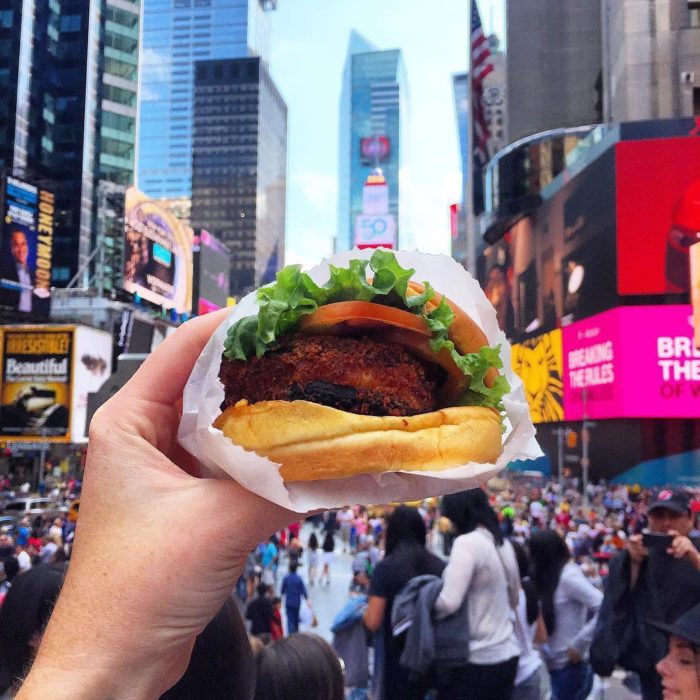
(655, 579)
(260, 612)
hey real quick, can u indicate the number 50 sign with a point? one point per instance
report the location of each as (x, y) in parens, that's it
(375, 231)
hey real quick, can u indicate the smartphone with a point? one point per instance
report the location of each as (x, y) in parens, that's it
(656, 539)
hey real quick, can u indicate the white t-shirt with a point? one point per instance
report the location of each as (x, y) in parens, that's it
(24, 561)
(476, 570)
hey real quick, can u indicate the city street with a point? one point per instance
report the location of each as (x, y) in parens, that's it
(327, 600)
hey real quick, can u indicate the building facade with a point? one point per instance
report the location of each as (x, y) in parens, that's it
(553, 65)
(651, 59)
(373, 133)
(176, 34)
(69, 71)
(239, 166)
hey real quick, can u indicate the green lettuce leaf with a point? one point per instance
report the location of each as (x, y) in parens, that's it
(294, 294)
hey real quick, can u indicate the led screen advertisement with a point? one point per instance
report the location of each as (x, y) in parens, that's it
(212, 272)
(26, 242)
(374, 150)
(632, 362)
(538, 362)
(558, 262)
(658, 213)
(157, 253)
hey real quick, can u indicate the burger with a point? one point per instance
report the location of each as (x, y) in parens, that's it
(368, 373)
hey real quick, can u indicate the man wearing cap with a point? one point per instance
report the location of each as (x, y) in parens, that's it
(655, 579)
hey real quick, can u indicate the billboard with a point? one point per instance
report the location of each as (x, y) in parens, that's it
(35, 394)
(212, 270)
(632, 362)
(373, 231)
(374, 150)
(157, 253)
(559, 261)
(658, 213)
(92, 367)
(26, 242)
(538, 362)
(47, 374)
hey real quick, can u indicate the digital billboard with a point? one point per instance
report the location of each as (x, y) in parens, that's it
(26, 243)
(374, 150)
(35, 395)
(375, 231)
(538, 362)
(632, 362)
(558, 262)
(157, 253)
(658, 213)
(212, 270)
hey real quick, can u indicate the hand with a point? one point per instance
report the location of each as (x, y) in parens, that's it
(574, 656)
(637, 551)
(157, 550)
(682, 547)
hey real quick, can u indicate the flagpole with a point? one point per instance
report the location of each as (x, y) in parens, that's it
(470, 260)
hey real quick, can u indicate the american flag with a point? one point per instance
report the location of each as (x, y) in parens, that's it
(481, 66)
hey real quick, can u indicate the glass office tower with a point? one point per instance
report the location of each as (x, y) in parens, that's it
(373, 109)
(176, 34)
(69, 73)
(239, 166)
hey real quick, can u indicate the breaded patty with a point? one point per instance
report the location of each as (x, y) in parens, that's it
(358, 375)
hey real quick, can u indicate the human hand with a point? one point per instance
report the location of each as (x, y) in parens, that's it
(682, 547)
(637, 551)
(157, 550)
(574, 656)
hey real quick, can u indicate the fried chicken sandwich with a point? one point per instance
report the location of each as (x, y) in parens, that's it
(370, 372)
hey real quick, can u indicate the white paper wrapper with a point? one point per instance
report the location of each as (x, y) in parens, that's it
(204, 393)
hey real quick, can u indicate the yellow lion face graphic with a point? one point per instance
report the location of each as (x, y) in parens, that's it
(538, 362)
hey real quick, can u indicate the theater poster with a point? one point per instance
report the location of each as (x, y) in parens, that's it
(35, 395)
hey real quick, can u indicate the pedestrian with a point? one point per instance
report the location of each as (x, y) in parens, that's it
(328, 549)
(532, 680)
(482, 566)
(680, 668)
(260, 612)
(312, 557)
(303, 666)
(655, 579)
(293, 590)
(270, 557)
(570, 604)
(10, 567)
(23, 617)
(406, 557)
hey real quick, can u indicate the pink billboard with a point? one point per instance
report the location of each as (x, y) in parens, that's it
(632, 362)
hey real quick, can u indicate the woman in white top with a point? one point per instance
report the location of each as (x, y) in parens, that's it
(482, 567)
(570, 604)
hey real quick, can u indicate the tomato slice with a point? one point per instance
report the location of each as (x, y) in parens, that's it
(346, 316)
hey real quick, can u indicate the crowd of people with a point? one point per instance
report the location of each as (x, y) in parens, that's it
(521, 589)
(524, 589)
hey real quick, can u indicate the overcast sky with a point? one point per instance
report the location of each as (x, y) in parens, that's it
(309, 44)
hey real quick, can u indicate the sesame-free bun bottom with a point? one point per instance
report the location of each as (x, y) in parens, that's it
(313, 442)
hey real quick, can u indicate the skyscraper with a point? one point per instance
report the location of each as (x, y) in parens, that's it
(553, 65)
(72, 67)
(651, 59)
(373, 132)
(176, 34)
(239, 166)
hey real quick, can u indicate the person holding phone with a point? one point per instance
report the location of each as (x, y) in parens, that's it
(655, 579)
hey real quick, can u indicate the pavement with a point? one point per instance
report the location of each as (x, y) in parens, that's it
(327, 600)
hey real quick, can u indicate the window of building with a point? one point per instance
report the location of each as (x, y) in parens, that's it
(69, 23)
(60, 274)
(218, 72)
(696, 101)
(6, 17)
